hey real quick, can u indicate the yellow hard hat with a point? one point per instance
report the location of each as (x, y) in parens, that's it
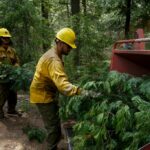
(68, 36)
(4, 32)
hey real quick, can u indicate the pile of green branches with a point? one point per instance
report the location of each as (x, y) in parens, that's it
(118, 118)
(18, 78)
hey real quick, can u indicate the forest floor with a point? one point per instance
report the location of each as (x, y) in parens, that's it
(12, 136)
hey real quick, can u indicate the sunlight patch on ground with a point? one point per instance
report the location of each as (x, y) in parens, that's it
(10, 145)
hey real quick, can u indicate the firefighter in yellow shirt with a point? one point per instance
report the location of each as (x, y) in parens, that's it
(9, 56)
(50, 79)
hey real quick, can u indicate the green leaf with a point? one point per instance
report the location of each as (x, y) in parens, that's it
(100, 118)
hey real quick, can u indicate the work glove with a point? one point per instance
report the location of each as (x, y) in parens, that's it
(90, 93)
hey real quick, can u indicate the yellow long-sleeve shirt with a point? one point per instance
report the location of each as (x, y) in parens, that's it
(9, 56)
(49, 78)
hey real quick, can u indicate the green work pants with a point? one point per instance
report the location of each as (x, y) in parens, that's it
(50, 116)
(6, 94)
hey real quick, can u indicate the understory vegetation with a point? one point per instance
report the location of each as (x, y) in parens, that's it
(117, 116)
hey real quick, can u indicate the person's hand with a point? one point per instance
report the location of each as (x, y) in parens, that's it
(90, 93)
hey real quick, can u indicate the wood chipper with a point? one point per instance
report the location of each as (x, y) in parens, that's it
(145, 147)
(130, 56)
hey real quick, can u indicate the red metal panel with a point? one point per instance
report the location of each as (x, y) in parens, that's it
(134, 62)
(123, 65)
(139, 34)
(145, 147)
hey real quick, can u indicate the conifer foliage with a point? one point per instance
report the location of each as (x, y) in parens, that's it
(117, 116)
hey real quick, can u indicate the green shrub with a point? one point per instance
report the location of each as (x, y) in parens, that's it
(35, 133)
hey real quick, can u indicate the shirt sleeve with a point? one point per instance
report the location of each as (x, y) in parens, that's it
(60, 79)
(16, 60)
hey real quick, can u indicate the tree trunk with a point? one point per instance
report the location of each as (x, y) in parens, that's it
(75, 9)
(45, 17)
(84, 6)
(128, 16)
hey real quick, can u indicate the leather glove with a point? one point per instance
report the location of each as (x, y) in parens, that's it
(90, 93)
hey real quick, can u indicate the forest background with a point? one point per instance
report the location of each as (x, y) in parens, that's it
(98, 24)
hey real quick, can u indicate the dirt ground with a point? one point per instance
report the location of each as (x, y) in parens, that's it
(12, 136)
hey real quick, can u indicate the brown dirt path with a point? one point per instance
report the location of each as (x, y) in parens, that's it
(11, 133)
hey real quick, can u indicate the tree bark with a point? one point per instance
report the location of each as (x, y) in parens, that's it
(45, 17)
(128, 17)
(84, 6)
(75, 10)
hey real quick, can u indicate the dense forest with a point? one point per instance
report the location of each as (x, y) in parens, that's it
(98, 24)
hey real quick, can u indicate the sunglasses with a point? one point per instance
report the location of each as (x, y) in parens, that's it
(67, 45)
